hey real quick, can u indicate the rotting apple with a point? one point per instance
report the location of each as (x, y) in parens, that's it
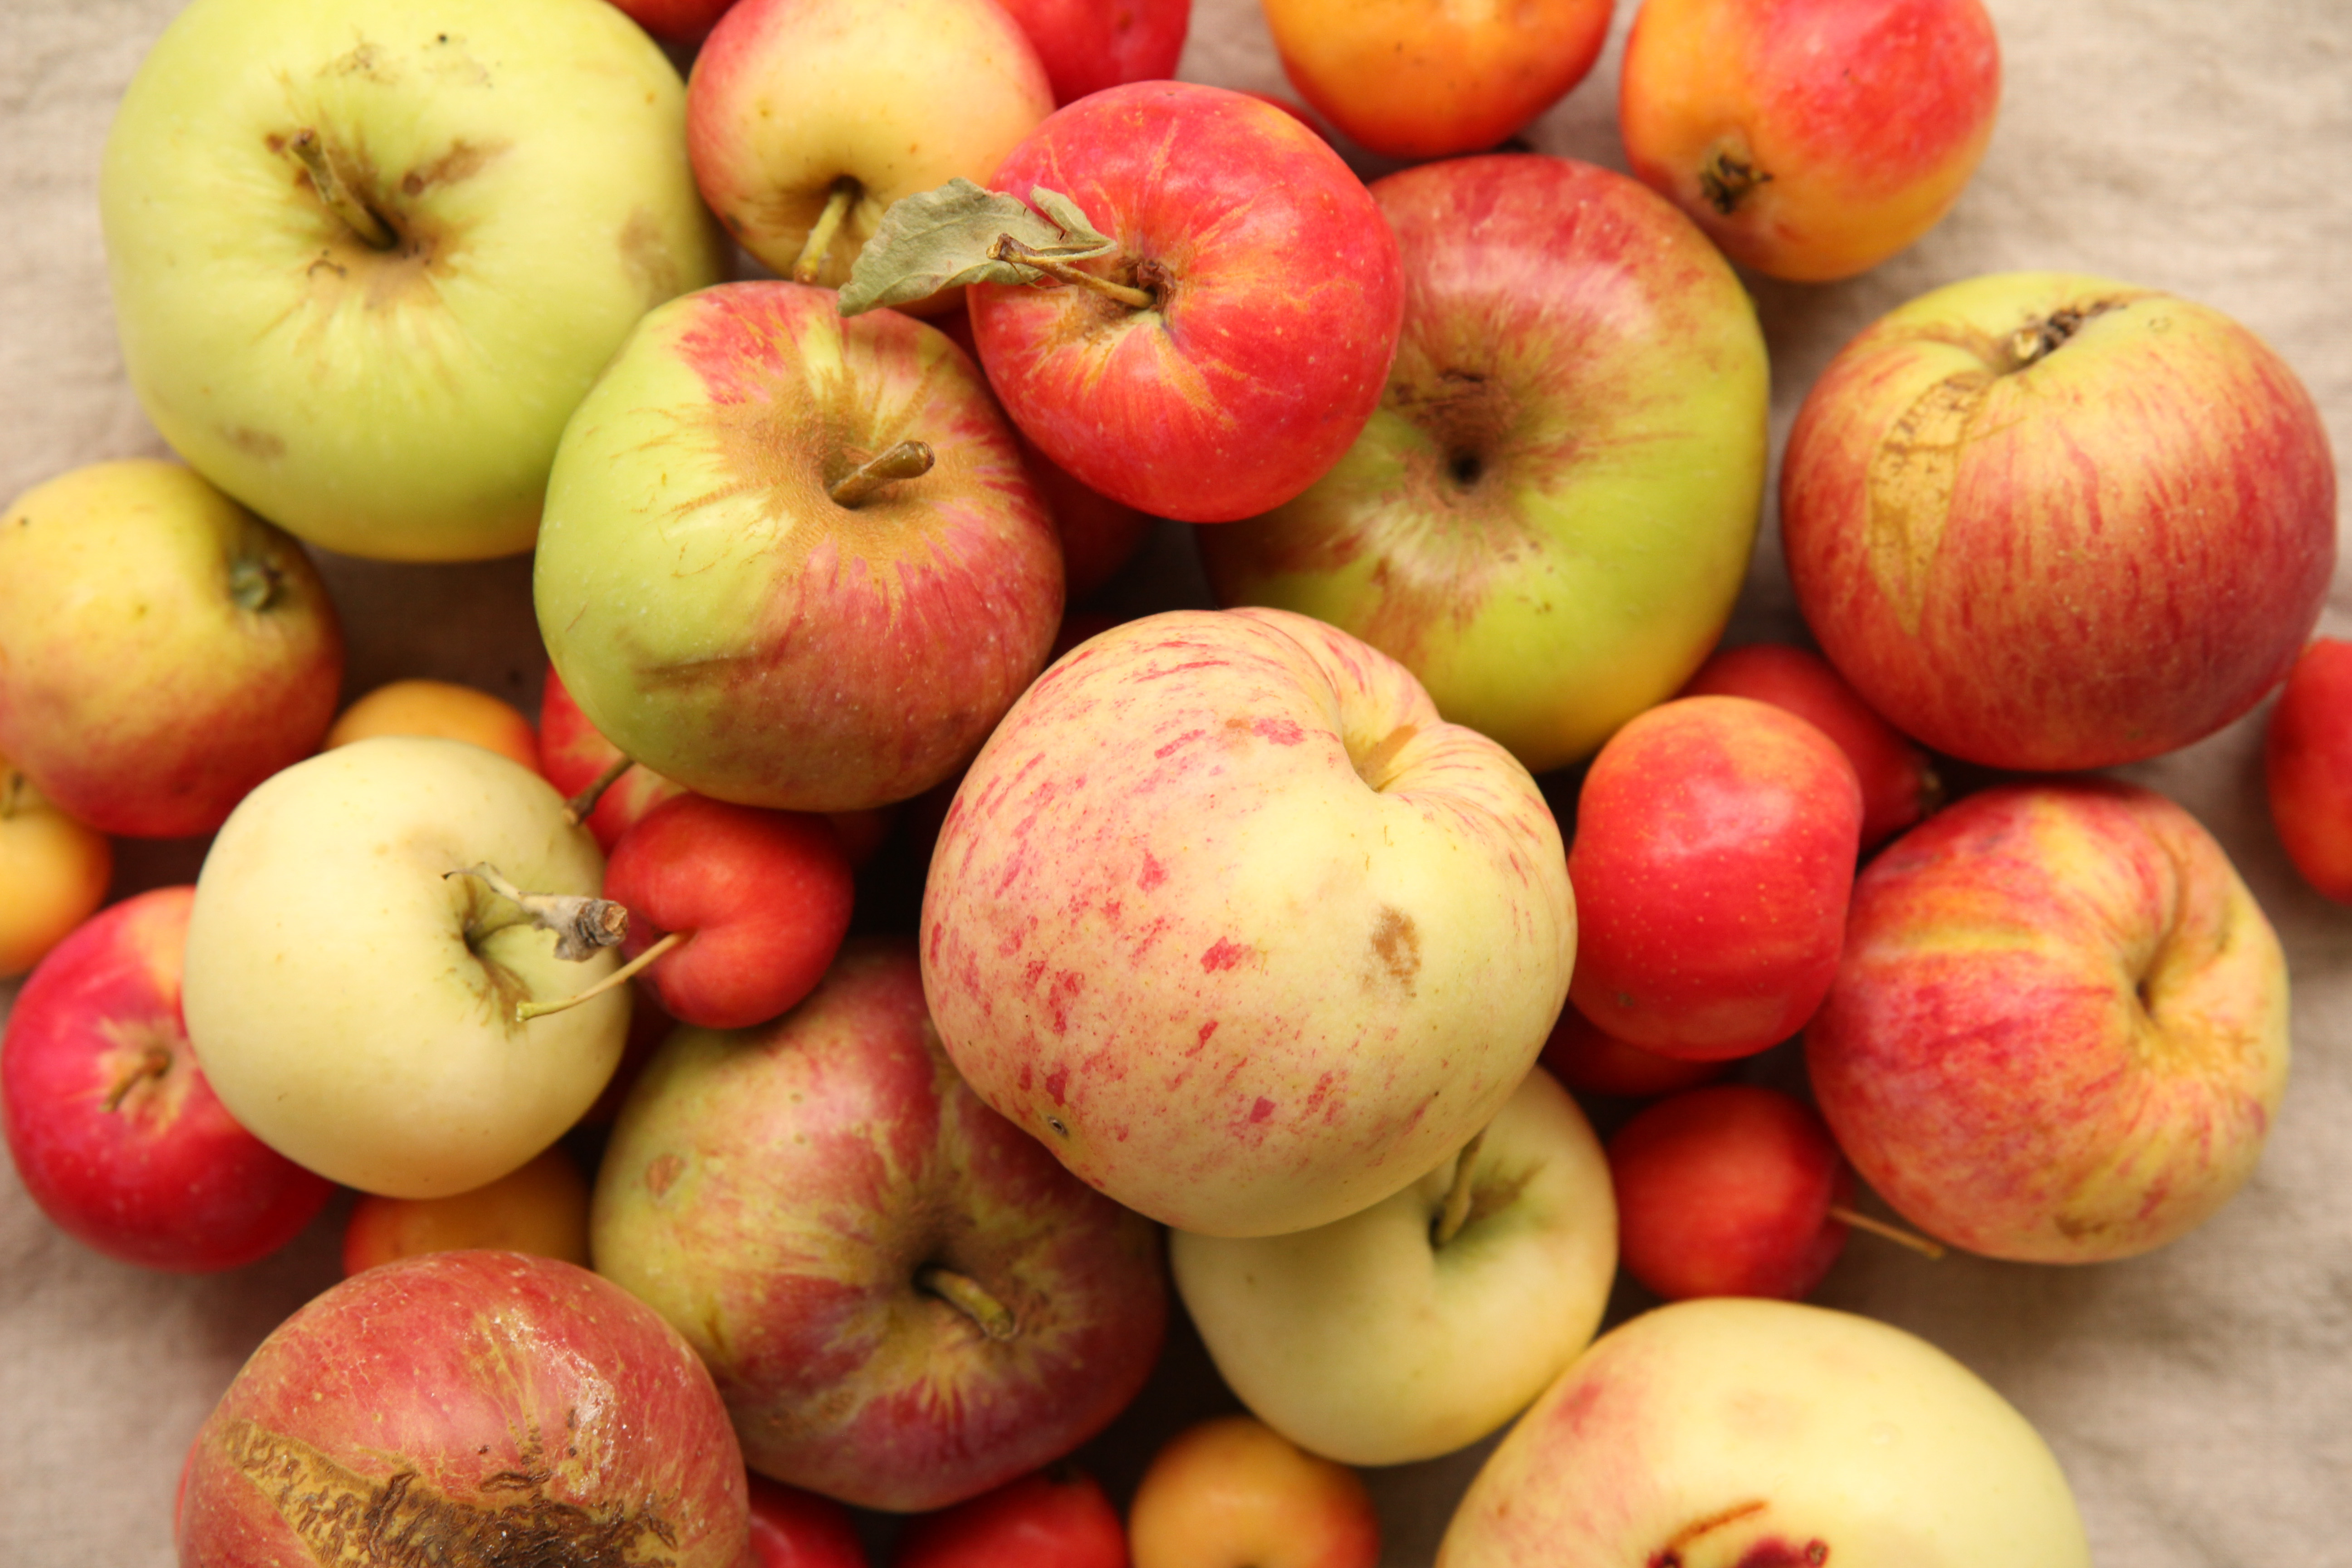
(539, 1208)
(2306, 767)
(442, 708)
(53, 871)
(1232, 1490)
(1228, 917)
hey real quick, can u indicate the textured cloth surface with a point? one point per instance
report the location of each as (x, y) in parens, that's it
(2200, 1398)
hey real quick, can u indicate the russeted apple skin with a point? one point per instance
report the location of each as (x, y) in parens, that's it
(2072, 556)
(1173, 932)
(467, 1407)
(775, 1193)
(1861, 119)
(2307, 767)
(1737, 1431)
(719, 619)
(402, 405)
(2059, 1031)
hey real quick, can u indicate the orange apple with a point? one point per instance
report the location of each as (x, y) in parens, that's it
(438, 708)
(1232, 1490)
(540, 1208)
(53, 872)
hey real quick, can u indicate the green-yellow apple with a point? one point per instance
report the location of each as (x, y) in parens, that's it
(355, 972)
(1426, 1321)
(1548, 515)
(1234, 922)
(367, 255)
(2059, 1030)
(163, 651)
(738, 598)
(2043, 520)
(1767, 1434)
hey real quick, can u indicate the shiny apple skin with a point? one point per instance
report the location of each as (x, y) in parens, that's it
(2307, 767)
(572, 755)
(1088, 45)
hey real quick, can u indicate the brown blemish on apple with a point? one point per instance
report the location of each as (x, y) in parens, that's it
(1670, 1555)
(346, 1521)
(646, 255)
(259, 445)
(1396, 944)
(662, 1172)
(1912, 474)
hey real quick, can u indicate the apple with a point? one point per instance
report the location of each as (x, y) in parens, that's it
(1421, 1325)
(1812, 139)
(1713, 861)
(2059, 1031)
(1258, 310)
(357, 975)
(905, 1301)
(1767, 1434)
(1056, 1518)
(1231, 1489)
(680, 21)
(366, 254)
(459, 1408)
(55, 870)
(1086, 46)
(576, 759)
(2306, 767)
(161, 649)
(794, 1528)
(737, 600)
(1549, 517)
(2042, 521)
(111, 1123)
(1407, 80)
(807, 118)
(759, 901)
(438, 708)
(1227, 917)
(540, 1207)
(1589, 1060)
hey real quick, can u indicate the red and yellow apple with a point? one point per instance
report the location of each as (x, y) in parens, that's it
(1231, 1489)
(540, 1207)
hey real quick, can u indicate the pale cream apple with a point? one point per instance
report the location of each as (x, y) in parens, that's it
(1426, 1321)
(353, 981)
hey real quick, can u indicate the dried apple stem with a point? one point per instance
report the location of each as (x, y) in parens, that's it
(338, 195)
(1457, 1196)
(154, 1064)
(1894, 1233)
(576, 809)
(1008, 248)
(811, 260)
(581, 924)
(526, 1011)
(906, 460)
(965, 1294)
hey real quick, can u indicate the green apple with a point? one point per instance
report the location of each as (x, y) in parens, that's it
(1426, 1321)
(367, 255)
(354, 974)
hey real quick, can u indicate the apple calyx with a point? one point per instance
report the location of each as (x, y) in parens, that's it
(335, 191)
(838, 201)
(906, 460)
(967, 1296)
(1727, 176)
(1456, 1212)
(254, 583)
(2037, 340)
(582, 922)
(16, 792)
(960, 234)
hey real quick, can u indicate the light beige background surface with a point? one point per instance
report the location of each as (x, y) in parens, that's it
(2200, 1399)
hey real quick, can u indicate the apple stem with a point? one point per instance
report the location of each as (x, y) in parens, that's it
(811, 260)
(14, 786)
(1894, 1233)
(526, 1011)
(1007, 249)
(154, 1064)
(581, 924)
(576, 809)
(1456, 1212)
(336, 193)
(906, 460)
(964, 1293)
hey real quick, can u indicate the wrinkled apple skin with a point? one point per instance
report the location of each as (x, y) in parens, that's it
(2059, 1030)
(718, 616)
(2071, 556)
(469, 1407)
(2307, 767)
(1767, 1434)
(1227, 977)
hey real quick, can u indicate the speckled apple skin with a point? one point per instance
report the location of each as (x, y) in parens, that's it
(1173, 931)
(2059, 1032)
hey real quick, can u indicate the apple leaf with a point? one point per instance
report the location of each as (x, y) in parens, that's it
(946, 238)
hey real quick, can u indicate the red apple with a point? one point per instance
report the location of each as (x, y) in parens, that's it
(674, 21)
(1089, 45)
(794, 1528)
(1264, 302)
(2307, 767)
(905, 1300)
(1812, 139)
(573, 756)
(1713, 857)
(1233, 1491)
(2059, 1031)
(117, 1135)
(53, 871)
(540, 1208)
(1054, 1518)
(760, 899)
(2048, 521)
(469, 1407)
(1590, 1060)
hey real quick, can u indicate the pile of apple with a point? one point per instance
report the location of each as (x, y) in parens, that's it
(1240, 931)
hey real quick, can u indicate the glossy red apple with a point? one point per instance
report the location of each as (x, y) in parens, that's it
(1056, 1518)
(1589, 1060)
(674, 21)
(1089, 45)
(796, 1528)
(2307, 766)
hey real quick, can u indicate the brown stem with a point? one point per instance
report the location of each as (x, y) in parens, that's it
(338, 194)
(1895, 1233)
(14, 787)
(1457, 1196)
(811, 260)
(526, 1011)
(965, 1294)
(155, 1063)
(1007, 249)
(581, 924)
(576, 809)
(906, 460)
